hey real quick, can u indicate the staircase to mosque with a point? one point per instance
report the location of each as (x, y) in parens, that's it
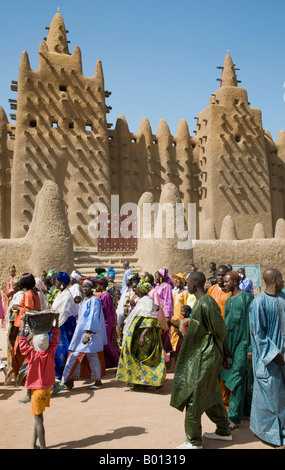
(86, 260)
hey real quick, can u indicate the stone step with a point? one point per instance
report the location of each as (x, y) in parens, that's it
(86, 260)
(102, 261)
(90, 268)
(103, 258)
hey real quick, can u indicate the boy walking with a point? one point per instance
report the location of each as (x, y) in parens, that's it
(40, 376)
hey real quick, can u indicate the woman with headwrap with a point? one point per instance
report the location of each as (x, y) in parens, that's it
(163, 287)
(160, 314)
(111, 352)
(111, 272)
(101, 272)
(180, 295)
(65, 305)
(142, 361)
(29, 301)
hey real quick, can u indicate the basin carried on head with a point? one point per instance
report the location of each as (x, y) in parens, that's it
(40, 321)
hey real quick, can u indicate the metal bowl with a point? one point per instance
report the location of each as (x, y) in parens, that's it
(40, 321)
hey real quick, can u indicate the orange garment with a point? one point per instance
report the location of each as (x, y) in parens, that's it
(40, 399)
(220, 297)
(30, 301)
(179, 299)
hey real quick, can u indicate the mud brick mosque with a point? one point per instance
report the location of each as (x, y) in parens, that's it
(59, 155)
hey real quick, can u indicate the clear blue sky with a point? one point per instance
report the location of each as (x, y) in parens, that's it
(159, 56)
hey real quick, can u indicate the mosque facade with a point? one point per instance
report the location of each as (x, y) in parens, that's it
(58, 130)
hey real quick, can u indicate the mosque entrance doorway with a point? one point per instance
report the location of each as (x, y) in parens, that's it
(121, 236)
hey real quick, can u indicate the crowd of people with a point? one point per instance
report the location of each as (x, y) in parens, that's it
(224, 344)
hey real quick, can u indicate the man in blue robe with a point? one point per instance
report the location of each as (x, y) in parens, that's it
(88, 339)
(267, 327)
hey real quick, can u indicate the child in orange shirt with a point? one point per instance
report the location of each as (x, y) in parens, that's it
(30, 300)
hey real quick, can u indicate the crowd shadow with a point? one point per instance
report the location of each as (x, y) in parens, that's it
(97, 439)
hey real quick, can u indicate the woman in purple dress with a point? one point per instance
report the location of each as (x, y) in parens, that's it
(163, 286)
(111, 353)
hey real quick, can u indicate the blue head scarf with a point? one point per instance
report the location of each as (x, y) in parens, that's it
(111, 272)
(63, 277)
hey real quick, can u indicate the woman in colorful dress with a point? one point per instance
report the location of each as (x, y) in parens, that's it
(160, 314)
(142, 362)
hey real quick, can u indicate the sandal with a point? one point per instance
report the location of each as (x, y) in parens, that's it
(233, 425)
(56, 389)
(9, 377)
(24, 400)
(95, 387)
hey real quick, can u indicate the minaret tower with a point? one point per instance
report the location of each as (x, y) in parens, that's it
(233, 162)
(61, 135)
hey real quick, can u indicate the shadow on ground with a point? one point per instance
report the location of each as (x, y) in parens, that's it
(93, 440)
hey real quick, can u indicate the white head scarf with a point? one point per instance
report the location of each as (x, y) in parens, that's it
(75, 275)
(40, 286)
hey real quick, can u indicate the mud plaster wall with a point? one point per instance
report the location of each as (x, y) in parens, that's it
(47, 245)
(266, 253)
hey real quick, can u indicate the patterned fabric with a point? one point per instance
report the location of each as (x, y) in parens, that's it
(183, 325)
(144, 365)
(51, 295)
(144, 286)
(62, 351)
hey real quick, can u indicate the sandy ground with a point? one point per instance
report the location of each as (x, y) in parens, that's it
(110, 418)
